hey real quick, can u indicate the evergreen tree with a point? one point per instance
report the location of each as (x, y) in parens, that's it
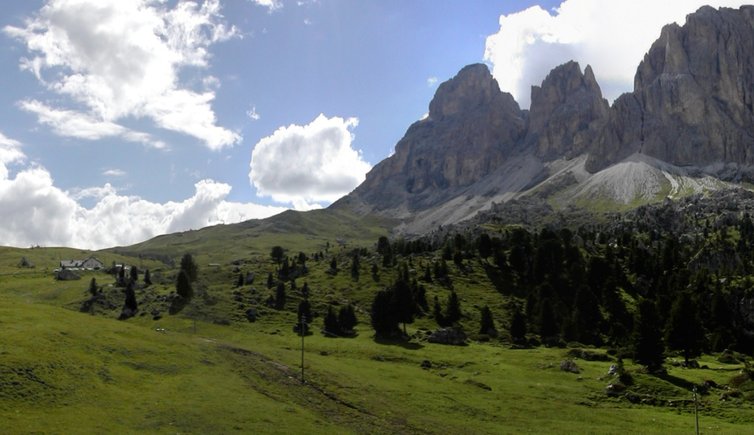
(647, 342)
(183, 285)
(122, 276)
(347, 318)
(240, 281)
(486, 322)
(453, 310)
(355, 267)
(147, 278)
(384, 320)
(333, 265)
(270, 280)
(189, 266)
(134, 274)
(332, 327)
(375, 272)
(518, 327)
(403, 303)
(280, 296)
(93, 287)
(304, 313)
(548, 325)
(485, 246)
(130, 306)
(277, 253)
(684, 330)
(437, 313)
(586, 317)
(305, 290)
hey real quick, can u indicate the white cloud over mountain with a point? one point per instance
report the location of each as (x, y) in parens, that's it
(308, 164)
(113, 60)
(611, 36)
(35, 211)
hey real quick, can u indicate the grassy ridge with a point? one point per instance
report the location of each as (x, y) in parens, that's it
(207, 370)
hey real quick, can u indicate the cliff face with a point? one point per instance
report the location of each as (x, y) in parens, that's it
(692, 98)
(692, 106)
(564, 112)
(471, 129)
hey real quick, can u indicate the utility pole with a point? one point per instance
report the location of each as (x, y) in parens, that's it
(696, 411)
(302, 331)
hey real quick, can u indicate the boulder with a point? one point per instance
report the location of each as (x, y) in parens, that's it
(451, 336)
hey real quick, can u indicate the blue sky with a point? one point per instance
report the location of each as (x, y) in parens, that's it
(120, 121)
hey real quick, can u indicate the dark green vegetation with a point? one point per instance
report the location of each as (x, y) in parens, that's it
(547, 311)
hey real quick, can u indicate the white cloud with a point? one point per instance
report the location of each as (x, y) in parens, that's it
(71, 123)
(121, 59)
(310, 164)
(271, 5)
(114, 173)
(612, 37)
(432, 81)
(253, 114)
(35, 211)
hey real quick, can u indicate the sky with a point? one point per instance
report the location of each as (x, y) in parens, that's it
(124, 120)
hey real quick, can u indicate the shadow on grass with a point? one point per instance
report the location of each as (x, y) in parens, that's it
(410, 345)
(675, 380)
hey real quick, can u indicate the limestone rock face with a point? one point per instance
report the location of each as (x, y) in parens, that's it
(694, 91)
(564, 111)
(471, 129)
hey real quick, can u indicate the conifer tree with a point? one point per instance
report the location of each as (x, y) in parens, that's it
(240, 281)
(189, 266)
(134, 274)
(280, 296)
(332, 327)
(518, 327)
(453, 310)
(347, 318)
(647, 341)
(93, 287)
(183, 285)
(486, 322)
(147, 278)
(384, 319)
(684, 330)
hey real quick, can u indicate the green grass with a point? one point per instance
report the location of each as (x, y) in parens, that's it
(208, 370)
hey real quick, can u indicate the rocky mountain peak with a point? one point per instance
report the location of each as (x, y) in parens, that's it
(473, 88)
(693, 94)
(563, 109)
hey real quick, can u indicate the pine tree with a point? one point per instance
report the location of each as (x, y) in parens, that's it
(453, 310)
(403, 303)
(130, 307)
(183, 285)
(647, 342)
(280, 296)
(270, 280)
(518, 327)
(684, 330)
(147, 278)
(485, 246)
(134, 274)
(240, 280)
(347, 318)
(304, 313)
(384, 320)
(355, 267)
(277, 253)
(93, 287)
(437, 313)
(332, 327)
(486, 322)
(189, 266)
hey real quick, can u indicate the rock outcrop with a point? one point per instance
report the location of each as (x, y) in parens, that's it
(692, 98)
(692, 108)
(471, 129)
(565, 109)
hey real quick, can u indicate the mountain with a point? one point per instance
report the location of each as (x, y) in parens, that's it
(687, 127)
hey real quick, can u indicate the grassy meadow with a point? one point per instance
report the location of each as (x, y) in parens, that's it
(207, 369)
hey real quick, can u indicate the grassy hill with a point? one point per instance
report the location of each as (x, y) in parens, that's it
(209, 370)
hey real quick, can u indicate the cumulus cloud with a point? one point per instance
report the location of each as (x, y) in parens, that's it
(35, 211)
(253, 114)
(310, 164)
(120, 59)
(271, 5)
(613, 38)
(432, 81)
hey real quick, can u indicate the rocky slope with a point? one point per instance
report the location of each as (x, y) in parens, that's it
(688, 124)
